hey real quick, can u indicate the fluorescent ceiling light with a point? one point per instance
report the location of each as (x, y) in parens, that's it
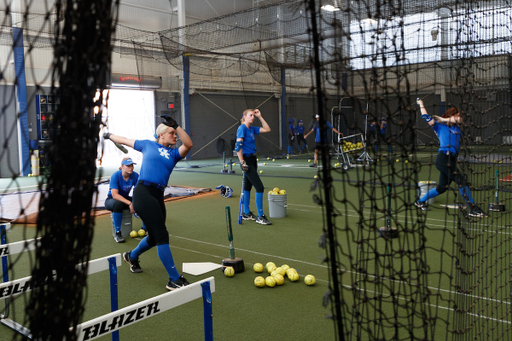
(330, 8)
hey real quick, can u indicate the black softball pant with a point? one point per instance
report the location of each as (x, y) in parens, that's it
(447, 165)
(149, 204)
(251, 176)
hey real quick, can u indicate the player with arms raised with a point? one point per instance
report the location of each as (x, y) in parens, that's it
(159, 159)
(449, 134)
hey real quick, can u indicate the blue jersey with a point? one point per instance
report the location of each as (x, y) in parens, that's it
(123, 186)
(383, 129)
(372, 127)
(158, 161)
(248, 135)
(449, 137)
(299, 129)
(317, 131)
(291, 129)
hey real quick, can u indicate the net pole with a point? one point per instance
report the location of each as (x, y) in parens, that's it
(326, 170)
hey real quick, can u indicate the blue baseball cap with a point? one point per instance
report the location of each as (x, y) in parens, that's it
(128, 161)
(300, 121)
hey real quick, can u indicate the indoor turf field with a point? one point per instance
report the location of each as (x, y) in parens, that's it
(292, 311)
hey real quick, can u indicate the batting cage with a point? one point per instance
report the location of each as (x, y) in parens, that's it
(403, 113)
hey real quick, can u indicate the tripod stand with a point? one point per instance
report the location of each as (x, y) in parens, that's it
(365, 157)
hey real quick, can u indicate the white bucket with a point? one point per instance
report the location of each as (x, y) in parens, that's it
(277, 205)
(424, 187)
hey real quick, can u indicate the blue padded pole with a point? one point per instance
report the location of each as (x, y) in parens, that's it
(21, 90)
(3, 241)
(208, 313)
(186, 100)
(114, 297)
(284, 126)
(5, 269)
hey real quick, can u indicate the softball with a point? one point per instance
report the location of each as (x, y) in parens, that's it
(258, 267)
(271, 268)
(133, 234)
(259, 282)
(270, 281)
(279, 279)
(261, 172)
(229, 271)
(141, 233)
(310, 280)
(268, 264)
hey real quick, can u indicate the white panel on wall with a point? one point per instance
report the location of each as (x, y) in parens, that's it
(131, 114)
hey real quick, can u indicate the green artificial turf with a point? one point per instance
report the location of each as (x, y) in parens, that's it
(293, 311)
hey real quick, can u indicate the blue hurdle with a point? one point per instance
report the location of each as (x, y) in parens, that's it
(9, 289)
(137, 312)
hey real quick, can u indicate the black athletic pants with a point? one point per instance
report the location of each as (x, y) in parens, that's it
(251, 177)
(447, 165)
(148, 202)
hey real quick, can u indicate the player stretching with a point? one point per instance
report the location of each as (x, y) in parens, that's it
(316, 128)
(449, 134)
(159, 159)
(246, 150)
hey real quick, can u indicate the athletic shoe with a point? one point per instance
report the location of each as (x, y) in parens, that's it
(422, 205)
(475, 211)
(313, 165)
(248, 216)
(134, 263)
(118, 237)
(177, 284)
(263, 220)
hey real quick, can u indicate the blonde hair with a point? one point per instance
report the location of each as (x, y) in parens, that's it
(162, 128)
(246, 111)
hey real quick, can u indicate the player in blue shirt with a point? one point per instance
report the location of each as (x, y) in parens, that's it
(246, 150)
(118, 197)
(291, 136)
(159, 159)
(381, 135)
(449, 134)
(316, 128)
(299, 131)
(372, 131)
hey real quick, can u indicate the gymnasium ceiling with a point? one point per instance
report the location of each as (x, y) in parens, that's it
(153, 15)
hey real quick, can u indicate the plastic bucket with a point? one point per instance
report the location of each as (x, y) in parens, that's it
(126, 225)
(277, 205)
(424, 187)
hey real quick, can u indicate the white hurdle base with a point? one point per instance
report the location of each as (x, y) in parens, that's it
(137, 312)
